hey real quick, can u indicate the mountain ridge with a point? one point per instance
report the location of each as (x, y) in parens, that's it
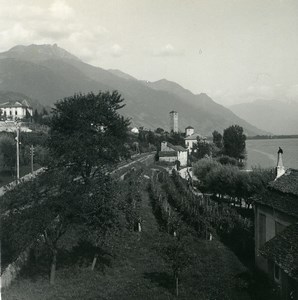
(52, 74)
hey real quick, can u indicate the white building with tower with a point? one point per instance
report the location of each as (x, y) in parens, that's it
(192, 138)
(173, 121)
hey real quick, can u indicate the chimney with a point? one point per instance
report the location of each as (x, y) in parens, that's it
(280, 169)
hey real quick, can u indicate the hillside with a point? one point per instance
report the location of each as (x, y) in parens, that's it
(49, 73)
(6, 96)
(275, 116)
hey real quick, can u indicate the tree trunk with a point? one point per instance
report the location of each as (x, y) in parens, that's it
(177, 286)
(94, 261)
(53, 267)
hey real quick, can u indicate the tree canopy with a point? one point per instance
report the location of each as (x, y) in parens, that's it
(234, 141)
(87, 131)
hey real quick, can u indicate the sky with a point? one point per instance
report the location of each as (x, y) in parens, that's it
(234, 50)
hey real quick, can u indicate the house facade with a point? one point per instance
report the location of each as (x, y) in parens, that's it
(193, 139)
(16, 110)
(189, 131)
(171, 153)
(276, 231)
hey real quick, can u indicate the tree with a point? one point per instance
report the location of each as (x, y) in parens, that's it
(201, 169)
(202, 149)
(159, 130)
(234, 142)
(176, 254)
(217, 139)
(87, 132)
(7, 149)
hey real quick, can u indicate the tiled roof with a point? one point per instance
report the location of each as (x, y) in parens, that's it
(194, 137)
(189, 127)
(176, 148)
(283, 250)
(15, 104)
(287, 183)
(279, 201)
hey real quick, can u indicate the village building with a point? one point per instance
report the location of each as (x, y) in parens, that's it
(16, 110)
(135, 130)
(189, 131)
(171, 153)
(192, 139)
(276, 231)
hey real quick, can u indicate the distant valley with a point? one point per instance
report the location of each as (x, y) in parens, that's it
(48, 73)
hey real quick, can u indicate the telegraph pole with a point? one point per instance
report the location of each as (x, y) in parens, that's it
(18, 154)
(32, 154)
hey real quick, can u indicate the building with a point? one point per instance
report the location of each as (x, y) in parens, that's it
(189, 131)
(173, 121)
(171, 153)
(135, 130)
(193, 139)
(276, 231)
(16, 110)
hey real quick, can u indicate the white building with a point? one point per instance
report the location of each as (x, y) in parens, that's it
(135, 130)
(193, 139)
(189, 131)
(171, 153)
(16, 110)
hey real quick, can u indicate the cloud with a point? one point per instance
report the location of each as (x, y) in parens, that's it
(61, 10)
(117, 50)
(167, 50)
(56, 23)
(292, 92)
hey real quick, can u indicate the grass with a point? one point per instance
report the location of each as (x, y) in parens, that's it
(137, 271)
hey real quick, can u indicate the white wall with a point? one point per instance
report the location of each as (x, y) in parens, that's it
(182, 157)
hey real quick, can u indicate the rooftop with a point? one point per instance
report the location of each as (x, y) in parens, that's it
(176, 148)
(195, 136)
(287, 183)
(24, 103)
(282, 194)
(283, 250)
(282, 202)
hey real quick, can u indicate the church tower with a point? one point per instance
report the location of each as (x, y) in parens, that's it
(280, 169)
(173, 121)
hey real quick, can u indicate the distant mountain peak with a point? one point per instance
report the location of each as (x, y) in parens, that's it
(121, 74)
(38, 53)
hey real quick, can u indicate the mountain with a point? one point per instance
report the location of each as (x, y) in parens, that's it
(270, 115)
(49, 73)
(121, 74)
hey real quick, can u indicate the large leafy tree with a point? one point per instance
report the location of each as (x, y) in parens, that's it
(234, 142)
(217, 139)
(88, 132)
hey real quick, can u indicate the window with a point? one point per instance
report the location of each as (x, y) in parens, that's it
(276, 273)
(16, 113)
(279, 227)
(262, 230)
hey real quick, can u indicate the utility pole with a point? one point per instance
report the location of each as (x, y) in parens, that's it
(18, 154)
(32, 154)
